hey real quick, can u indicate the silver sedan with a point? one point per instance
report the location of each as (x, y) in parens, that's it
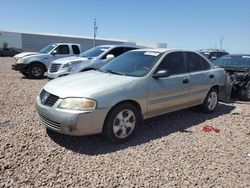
(137, 85)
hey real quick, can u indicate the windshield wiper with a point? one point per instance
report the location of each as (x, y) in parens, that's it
(101, 70)
(114, 72)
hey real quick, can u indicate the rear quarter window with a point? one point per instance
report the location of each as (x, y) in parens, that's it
(76, 49)
(196, 63)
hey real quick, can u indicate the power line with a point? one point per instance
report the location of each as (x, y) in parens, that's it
(95, 31)
(221, 42)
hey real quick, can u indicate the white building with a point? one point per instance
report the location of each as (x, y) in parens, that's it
(28, 41)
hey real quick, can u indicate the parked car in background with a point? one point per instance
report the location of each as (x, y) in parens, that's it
(35, 64)
(238, 68)
(8, 52)
(213, 54)
(90, 59)
(137, 85)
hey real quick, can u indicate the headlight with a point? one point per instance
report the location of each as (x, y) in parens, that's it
(70, 64)
(20, 61)
(77, 104)
(67, 65)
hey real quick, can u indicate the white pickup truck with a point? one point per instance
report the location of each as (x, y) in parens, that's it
(35, 64)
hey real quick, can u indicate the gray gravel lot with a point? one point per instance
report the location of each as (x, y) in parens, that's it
(168, 151)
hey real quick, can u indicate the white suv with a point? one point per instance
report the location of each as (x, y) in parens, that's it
(91, 59)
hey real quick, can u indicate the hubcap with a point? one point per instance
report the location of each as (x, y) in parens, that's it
(36, 71)
(124, 123)
(212, 100)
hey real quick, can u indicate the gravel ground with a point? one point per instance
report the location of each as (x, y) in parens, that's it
(168, 151)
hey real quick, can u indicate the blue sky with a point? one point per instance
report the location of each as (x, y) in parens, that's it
(192, 24)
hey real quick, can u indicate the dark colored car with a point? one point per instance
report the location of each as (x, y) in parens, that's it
(213, 54)
(8, 52)
(238, 68)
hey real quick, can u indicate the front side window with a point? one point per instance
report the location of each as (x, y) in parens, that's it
(116, 51)
(126, 49)
(196, 63)
(134, 63)
(174, 63)
(62, 49)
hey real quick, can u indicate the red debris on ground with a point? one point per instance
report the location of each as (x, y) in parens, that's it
(208, 128)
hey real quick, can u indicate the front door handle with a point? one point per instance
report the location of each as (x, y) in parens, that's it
(211, 76)
(185, 81)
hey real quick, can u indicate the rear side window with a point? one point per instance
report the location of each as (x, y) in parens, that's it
(63, 49)
(196, 63)
(76, 49)
(174, 63)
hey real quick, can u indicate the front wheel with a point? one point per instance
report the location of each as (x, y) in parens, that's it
(211, 101)
(36, 71)
(244, 92)
(121, 123)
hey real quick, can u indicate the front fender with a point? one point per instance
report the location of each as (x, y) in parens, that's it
(45, 61)
(134, 91)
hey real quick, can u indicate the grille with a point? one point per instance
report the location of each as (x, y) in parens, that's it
(47, 98)
(50, 123)
(54, 67)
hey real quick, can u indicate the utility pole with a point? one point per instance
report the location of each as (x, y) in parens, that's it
(221, 42)
(95, 31)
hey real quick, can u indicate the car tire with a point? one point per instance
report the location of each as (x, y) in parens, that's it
(121, 123)
(36, 71)
(244, 92)
(211, 101)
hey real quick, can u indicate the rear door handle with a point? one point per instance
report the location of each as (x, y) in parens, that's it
(185, 81)
(211, 76)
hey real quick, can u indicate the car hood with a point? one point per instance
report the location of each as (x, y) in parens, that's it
(70, 60)
(25, 54)
(87, 83)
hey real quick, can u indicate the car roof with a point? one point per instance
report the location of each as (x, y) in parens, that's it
(238, 55)
(211, 50)
(163, 50)
(66, 43)
(119, 45)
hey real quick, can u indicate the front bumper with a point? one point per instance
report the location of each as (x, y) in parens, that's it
(60, 73)
(75, 123)
(19, 67)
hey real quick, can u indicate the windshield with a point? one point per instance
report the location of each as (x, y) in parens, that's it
(48, 48)
(236, 61)
(133, 63)
(94, 52)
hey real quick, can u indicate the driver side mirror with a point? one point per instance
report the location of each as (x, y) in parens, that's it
(110, 56)
(161, 73)
(54, 52)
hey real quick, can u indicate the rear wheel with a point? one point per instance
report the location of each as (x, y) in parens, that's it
(211, 101)
(244, 92)
(121, 123)
(36, 70)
